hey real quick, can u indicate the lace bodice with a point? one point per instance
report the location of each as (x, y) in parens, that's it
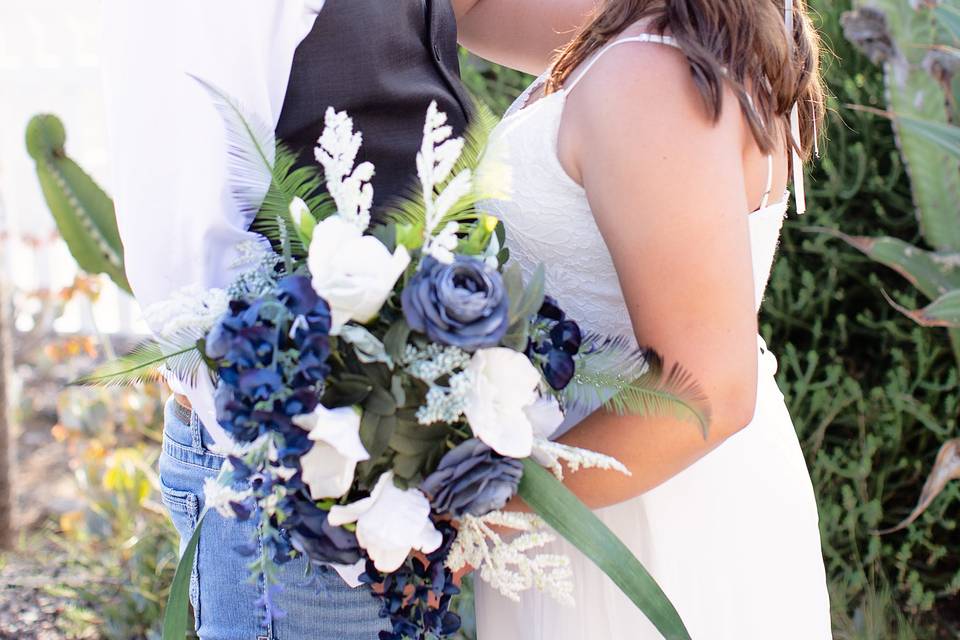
(549, 221)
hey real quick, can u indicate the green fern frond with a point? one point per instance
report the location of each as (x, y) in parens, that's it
(288, 182)
(145, 364)
(652, 393)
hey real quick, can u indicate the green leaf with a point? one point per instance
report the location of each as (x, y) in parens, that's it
(530, 298)
(949, 18)
(381, 402)
(84, 213)
(143, 364)
(176, 615)
(347, 390)
(616, 374)
(942, 312)
(946, 136)
(395, 340)
(376, 432)
(419, 439)
(933, 273)
(563, 511)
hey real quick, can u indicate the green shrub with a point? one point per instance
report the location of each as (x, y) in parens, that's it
(873, 396)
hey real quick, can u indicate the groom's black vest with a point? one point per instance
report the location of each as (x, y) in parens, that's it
(381, 61)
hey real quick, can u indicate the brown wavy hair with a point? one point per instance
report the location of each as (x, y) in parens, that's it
(743, 43)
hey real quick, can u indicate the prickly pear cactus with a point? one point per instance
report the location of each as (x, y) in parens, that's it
(83, 212)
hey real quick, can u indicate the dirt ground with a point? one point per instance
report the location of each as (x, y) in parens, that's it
(27, 612)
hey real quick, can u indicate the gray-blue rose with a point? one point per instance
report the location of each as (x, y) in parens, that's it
(463, 304)
(472, 479)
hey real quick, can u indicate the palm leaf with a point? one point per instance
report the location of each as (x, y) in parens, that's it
(264, 176)
(251, 148)
(615, 374)
(145, 364)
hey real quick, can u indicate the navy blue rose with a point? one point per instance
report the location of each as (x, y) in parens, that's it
(312, 535)
(463, 304)
(472, 479)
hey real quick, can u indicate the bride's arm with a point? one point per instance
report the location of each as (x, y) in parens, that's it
(666, 186)
(522, 34)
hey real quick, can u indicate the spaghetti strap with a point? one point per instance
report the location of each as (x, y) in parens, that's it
(766, 194)
(643, 37)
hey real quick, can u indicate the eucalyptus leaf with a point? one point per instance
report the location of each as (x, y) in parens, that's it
(407, 467)
(376, 432)
(563, 511)
(366, 345)
(395, 340)
(346, 390)
(380, 401)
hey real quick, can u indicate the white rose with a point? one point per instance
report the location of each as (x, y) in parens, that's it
(329, 466)
(504, 386)
(390, 523)
(354, 273)
(545, 415)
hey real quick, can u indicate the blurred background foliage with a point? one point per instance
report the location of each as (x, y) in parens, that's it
(873, 394)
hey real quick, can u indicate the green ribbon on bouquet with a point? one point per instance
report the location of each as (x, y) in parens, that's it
(563, 511)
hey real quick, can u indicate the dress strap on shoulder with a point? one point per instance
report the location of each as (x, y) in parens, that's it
(643, 37)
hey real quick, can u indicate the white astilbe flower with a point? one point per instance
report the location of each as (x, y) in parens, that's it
(349, 187)
(550, 454)
(190, 310)
(442, 246)
(219, 496)
(510, 567)
(438, 155)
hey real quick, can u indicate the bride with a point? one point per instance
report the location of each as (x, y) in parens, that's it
(651, 163)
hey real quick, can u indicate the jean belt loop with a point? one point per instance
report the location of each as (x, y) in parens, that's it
(196, 431)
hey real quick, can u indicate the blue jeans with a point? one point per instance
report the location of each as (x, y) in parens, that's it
(318, 607)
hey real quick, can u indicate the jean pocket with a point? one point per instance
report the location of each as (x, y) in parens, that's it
(184, 509)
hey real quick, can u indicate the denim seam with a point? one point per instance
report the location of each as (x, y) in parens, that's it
(187, 455)
(193, 506)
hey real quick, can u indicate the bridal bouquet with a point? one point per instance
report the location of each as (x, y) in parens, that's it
(391, 387)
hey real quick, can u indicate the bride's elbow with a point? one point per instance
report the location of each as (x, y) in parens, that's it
(733, 410)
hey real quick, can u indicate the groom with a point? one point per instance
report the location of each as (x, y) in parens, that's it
(285, 61)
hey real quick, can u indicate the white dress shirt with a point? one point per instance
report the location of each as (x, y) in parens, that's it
(177, 218)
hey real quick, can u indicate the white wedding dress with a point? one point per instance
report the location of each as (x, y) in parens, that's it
(733, 540)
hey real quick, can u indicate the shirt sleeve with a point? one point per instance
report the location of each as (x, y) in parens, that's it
(177, 217)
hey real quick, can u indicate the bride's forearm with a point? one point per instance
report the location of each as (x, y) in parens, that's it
(654, 449)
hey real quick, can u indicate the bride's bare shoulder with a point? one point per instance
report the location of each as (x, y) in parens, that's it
(642, 93)
(646, 79)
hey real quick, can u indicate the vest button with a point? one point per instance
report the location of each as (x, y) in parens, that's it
(436, 51)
